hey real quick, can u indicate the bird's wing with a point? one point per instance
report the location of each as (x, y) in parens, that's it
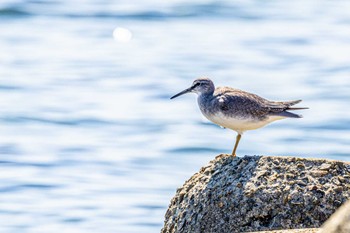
(242, 103)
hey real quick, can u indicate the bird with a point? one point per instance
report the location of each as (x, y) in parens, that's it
(236, 109)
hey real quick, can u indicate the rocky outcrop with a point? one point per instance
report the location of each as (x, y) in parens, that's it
(255, 193)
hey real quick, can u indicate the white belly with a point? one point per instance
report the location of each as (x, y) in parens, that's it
(240, 124)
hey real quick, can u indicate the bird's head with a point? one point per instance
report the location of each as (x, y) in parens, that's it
(199, 86)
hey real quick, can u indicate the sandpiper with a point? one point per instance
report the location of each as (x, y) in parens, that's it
(236, 109)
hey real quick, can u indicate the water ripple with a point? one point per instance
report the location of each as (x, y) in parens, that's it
(64, 122)
(13, 12)
(175, 11)
(18, 188)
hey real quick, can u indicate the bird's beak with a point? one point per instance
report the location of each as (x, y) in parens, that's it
(182, 92)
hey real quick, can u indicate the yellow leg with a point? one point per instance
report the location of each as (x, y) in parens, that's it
(236, 145)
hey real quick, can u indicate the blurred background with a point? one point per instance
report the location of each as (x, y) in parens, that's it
(89, 140)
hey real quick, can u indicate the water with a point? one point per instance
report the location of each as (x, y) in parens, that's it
(89, 140)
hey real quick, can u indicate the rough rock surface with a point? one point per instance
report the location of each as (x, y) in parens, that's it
(339, 222)
(255, 193)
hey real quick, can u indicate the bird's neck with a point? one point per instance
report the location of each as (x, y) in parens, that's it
(203, 98)
(205, 95)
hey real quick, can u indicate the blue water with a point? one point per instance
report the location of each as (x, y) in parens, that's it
(89, 140)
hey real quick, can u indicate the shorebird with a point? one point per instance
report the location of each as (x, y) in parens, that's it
(236, 109)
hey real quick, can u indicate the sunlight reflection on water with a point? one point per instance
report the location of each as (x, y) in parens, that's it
(122, 34)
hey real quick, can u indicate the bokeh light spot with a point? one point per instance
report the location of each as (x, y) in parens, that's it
(122, 34)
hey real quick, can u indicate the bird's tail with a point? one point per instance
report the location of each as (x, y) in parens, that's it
(294, 102)
(288, 114)
(301, 108)
(287, 106)
(291, 103)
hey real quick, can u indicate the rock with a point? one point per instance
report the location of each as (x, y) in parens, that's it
(339, 222)
(255, 193)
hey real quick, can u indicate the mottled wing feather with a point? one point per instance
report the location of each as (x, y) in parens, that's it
(243, 103)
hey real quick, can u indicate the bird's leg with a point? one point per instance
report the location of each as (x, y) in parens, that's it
(237, 141)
